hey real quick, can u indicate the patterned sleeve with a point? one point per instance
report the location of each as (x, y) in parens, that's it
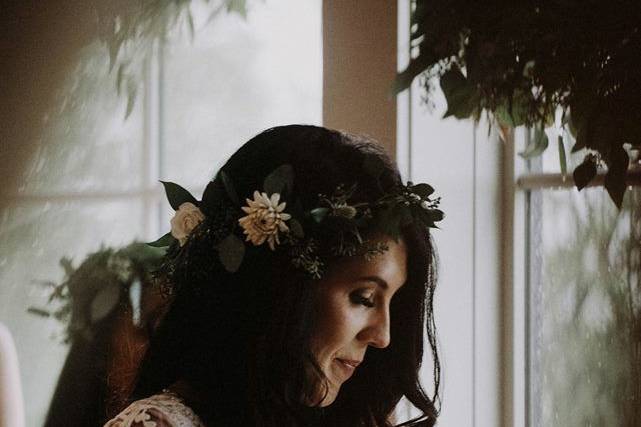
(141, 414)
(160, 410)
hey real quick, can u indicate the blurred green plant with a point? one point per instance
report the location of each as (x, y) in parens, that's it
(521, 62)
(91, 291)
(130, 29)
(590, 338)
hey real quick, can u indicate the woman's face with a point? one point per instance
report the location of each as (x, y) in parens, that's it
(353, 313)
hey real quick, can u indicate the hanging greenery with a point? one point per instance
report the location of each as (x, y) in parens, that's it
(130, 29)
(93, 290)
(522, 62)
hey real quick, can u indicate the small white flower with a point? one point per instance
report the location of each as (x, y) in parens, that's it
(265, 218)
(425, 205)
(187, 217)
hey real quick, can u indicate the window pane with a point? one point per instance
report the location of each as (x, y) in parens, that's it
(585, 309)
(34, 237)
(236, 78)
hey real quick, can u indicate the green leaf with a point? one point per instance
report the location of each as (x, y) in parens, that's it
(190, 25)
(536, 145)
(460, 94)
(615, 179)
(405, 78)
(319, 214)
(132, 93)
(38, 312)
(177, 195)
(585, 172)
(436, 215)
(423, 190)
(238, 6)
(114, 47)
(119, 76)
(280, 180)
(296, 228)
(512, 113)
(231, 251)
(164, 241)
(229, 187)
(562, 159)
(66, 264)
(580, 139)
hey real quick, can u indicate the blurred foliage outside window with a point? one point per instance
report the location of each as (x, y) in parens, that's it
(585, 309)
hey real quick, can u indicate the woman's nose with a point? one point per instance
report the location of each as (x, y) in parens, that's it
(377, 332)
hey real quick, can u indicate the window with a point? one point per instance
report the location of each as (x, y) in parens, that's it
(94, 179)
(582, 298)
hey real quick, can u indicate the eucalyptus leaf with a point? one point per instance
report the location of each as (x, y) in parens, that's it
(163, 241)
(231, 251)
(580, 140)
(280, 181)
(119, 77)
(536, 145)
(404, 79)
(238, 6)
(38, 312)
(104, 302)
(459, 93)
(511, 114)
(114, 49)
(615, 179)
(436, 215)
(190, 24)
(67, 266)
(229, 187)
(319, 214)
(423, 190)
(584, 173)
(132, 93)
(562, 159)
(177, 195)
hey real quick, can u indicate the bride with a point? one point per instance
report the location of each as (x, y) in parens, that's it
(301, 288)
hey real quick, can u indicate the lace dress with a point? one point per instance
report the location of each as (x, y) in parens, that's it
(160, 410)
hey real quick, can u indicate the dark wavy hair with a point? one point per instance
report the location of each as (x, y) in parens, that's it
(241, 340)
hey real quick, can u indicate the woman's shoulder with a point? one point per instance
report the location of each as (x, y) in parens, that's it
(161, 410)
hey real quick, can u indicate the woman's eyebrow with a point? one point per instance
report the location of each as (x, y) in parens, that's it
(380, 282)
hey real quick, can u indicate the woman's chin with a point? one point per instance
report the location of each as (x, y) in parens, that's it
(329, 398)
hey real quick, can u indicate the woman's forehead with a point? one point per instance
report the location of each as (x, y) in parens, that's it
(388, 268)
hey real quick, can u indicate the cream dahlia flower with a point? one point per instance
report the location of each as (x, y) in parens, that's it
(265, 218)
(187, 217)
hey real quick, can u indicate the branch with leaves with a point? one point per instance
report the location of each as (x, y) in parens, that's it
(522, 62)
(92, 290)
(130, 29)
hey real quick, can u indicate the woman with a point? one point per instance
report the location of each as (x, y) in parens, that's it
(318, 317)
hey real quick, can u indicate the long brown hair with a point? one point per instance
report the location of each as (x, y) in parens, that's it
(242, 339)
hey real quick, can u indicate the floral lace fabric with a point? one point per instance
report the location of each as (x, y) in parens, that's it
(161, 410)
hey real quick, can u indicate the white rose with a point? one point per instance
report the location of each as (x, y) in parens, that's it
(187, 217)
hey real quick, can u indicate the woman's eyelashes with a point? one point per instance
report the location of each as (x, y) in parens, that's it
(360, 299)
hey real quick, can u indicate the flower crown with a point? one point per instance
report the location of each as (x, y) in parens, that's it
(271, 218)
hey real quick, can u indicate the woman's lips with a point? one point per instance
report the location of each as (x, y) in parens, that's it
(347, 367)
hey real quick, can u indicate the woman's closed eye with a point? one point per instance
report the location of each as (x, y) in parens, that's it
(367, 301)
